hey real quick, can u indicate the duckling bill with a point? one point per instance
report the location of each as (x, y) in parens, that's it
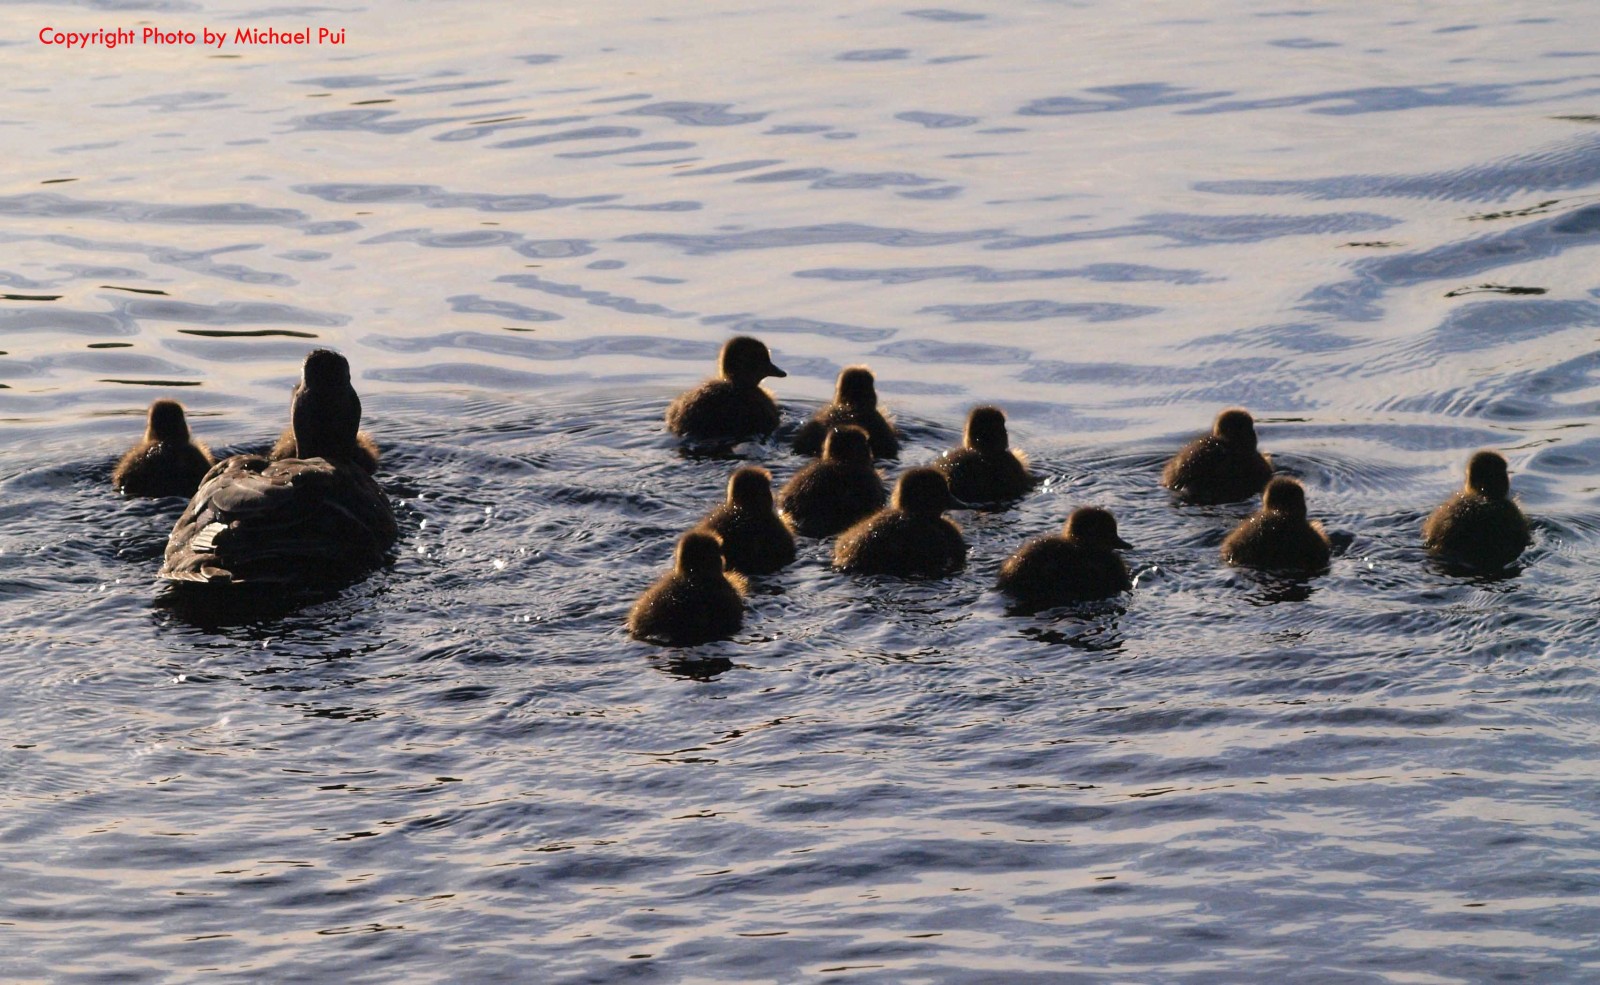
(1481, 526)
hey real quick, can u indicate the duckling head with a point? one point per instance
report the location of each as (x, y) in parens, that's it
(1236, 426)
(750, 488)
(1092, 526)
(847, 444)
(857, 388)
(699, 555)
(746, 361)
(166, 422)
(1487, 475)
(1285, 496)
(923, 491)
(986, 430)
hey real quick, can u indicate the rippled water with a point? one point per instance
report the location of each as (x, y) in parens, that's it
(1375, 225)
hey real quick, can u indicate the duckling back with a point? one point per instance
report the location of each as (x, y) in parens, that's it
(985, 469)
(733, 404)
(755, 539)
(695, 602)
(1481, 525)
(1221, 467)
(837, 490)
(910, 539)
(1279, 536)
(1079, 564)
(855, 403)
(168, 461)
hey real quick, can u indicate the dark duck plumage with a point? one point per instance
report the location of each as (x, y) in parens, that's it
(1221, 467)
(1481, 525)
(1079, 564)
(695, 602)
(911, 538)
(366, 453)
(293, 521)
(734, 404)
(837, 490)
(985, 469)
(755, 539)
(1278, 536)
(168, 462)
(855, 401)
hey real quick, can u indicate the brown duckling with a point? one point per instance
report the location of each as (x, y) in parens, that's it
(1278, 536)
(911, 538)
(985, 469)
(836, 490)
(755, 539)
(293, 521)
(1221, 467)
(1079, 564)
(855, 401)
(733, 404)
(168, 462)
(1481, 525)
(695, 602)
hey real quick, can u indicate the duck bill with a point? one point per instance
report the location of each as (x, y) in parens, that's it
(1124, 544)
(775, 371)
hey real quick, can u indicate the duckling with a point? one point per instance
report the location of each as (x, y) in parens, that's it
(909, 539)
(1221, 467)
(838, 489)
(1481, 525)
(734, 404)
(755, 539)
(855, 401)
(695, 602)
(296, 520)
(1278, 535)
(985, 469)
(1078, 564)
(168, 462)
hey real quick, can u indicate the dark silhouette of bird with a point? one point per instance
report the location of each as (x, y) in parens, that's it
(168, 462)
(1078, 564)
(985, 469)
(836, 490)
(910, 539)
(1221, 467)
(1278, 536)
(1481, 525)
(696, 602)
(755, 539)
(733, 404)
(855, 401)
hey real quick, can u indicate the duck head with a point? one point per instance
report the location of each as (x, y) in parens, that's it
(699, 555)
(750, 488)
(1285, 496)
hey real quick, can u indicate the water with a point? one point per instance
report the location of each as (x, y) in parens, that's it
(1375, 227)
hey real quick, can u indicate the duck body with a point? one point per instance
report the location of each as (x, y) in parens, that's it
(1222, 467)
(168, 462)
(732, 405)
(1279, 536)
(911, 538)
(1481, 525)
(836, 491)
(755, 539)
(254, 521)
(366, 453)
(260, 522)
(855, 403)
(696, 602)
(1079, 564)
